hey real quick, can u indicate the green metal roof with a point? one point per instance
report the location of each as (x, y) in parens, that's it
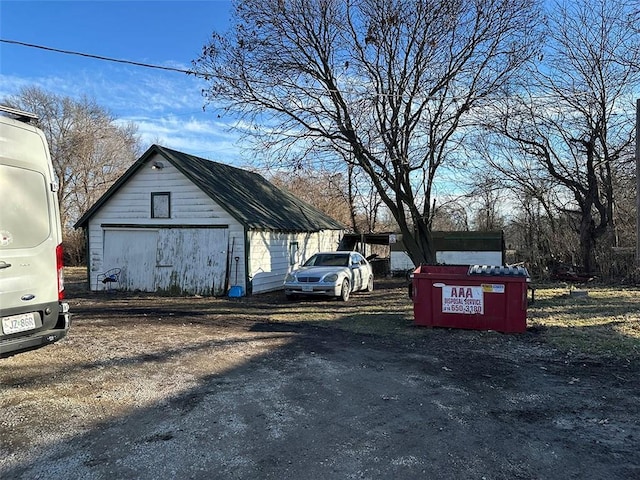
(246, 196)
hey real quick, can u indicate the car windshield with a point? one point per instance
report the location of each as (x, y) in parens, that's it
(328, 260)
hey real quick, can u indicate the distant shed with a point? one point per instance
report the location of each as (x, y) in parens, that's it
(452, 248)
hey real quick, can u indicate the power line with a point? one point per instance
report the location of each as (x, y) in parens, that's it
(127, 62)
(158, 67)
(207, 76)
(99, 57)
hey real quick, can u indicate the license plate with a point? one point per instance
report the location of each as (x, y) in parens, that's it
(307, 288)
(18, 323)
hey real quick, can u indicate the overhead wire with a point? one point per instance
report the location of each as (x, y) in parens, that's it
(101, 57)
(151, 65)
(205, 75)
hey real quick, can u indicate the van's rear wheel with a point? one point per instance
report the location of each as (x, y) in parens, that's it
(345, 290)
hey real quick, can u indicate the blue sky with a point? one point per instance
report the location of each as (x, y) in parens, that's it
(166, 106)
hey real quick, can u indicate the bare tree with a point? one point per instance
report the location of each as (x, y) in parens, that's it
(323, 189)
(574, 125)
(365, 203)
(487, 208)
(89, 149)
(388, 84)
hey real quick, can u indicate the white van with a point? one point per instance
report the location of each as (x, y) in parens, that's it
(32, 310)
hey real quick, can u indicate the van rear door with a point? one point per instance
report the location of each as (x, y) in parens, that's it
(26, 239)
(30, 241)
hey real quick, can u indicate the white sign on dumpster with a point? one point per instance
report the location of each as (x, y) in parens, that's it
(462, 299)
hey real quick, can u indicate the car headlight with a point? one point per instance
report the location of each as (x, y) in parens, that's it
(332, 277)
(290, 278)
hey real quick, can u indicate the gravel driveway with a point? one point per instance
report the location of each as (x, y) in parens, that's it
(153, 388)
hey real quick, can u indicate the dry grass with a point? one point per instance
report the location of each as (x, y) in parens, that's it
(604, 323)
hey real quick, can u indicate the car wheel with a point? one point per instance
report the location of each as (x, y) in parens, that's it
(370, 284)
(345, 291)
(288, 297)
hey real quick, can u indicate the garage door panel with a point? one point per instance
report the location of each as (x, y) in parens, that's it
(192, 261)
(134, 252)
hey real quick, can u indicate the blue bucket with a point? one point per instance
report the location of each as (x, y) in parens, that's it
(236, 291)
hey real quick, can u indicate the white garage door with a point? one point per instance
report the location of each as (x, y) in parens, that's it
(173, 260)
(192, 260)
(133, 251)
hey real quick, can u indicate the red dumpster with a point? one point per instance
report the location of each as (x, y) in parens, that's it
(478, 297)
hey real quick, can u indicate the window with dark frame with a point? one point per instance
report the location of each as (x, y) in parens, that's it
(160, 205)
(293, 253)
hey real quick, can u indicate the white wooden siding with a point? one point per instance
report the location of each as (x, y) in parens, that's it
(400, 261)
(469, 258)
(129, 209)
(269, 255)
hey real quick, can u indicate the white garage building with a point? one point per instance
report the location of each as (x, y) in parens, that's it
(179, 224)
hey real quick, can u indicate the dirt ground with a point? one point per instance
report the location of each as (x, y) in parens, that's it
(197, 388)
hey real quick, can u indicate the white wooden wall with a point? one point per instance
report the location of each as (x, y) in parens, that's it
(401, 262)
(269, 255)
(129, 210)
(469, 258)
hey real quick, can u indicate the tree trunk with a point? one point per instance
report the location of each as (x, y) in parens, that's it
(419, 244)
(587, 243)
(352, 207)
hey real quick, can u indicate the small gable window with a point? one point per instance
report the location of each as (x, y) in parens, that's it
(160, 205)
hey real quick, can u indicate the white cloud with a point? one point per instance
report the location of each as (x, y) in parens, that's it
(166, 106)
(201, 137)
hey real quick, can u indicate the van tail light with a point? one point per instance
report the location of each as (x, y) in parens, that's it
(60, 269)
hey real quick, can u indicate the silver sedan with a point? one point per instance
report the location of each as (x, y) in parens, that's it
(334, 274)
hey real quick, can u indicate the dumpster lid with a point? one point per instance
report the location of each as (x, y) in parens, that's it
(498, 270)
